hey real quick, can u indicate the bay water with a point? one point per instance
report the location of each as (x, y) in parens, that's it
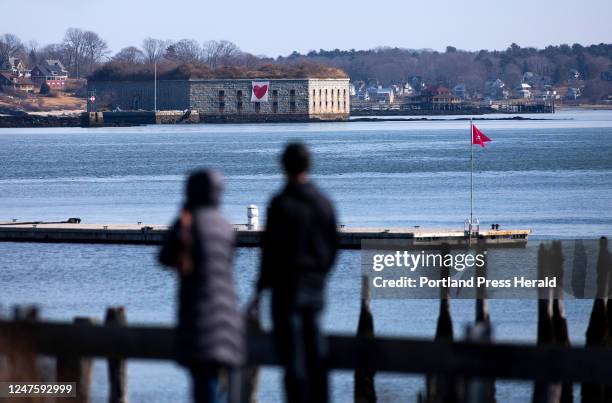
(553, 176)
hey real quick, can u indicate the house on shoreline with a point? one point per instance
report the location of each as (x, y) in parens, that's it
(52, 72)
(16, 82)
(232, 100)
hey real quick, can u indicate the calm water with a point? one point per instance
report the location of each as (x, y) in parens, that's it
(551, 176)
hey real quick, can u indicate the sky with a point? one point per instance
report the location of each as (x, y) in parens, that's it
(278, 27)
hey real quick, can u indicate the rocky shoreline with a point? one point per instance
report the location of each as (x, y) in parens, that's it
(40, 121)
(27, 121)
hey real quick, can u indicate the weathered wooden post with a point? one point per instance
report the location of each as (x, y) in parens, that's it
(542, 390)
(444, 328)
(442, 388)
(579, 269)
(597, 330)
(606, 262)
(249, 375)
(72, 368)
(364, 389)
(115, 316)
(559, 321)
(482, 305)
(479, 390)
(23, 363)
(552, 324)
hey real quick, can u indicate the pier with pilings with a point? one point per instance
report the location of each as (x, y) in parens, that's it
(249, 235)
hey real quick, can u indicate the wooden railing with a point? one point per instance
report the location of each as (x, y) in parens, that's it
(470, 365)
(74, 344)
(403, 355)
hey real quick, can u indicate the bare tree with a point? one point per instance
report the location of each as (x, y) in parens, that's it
(220, 53)
(83, 50)
(94, 49)
(154, 49)
(184, 51)
(74, 44)
(54, 51)
(131, 55)
(10, 46)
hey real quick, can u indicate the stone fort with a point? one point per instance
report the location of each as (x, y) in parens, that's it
(288, 99)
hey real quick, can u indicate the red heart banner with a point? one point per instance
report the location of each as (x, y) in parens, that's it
(260, 91)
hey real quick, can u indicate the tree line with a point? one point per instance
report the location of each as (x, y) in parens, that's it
(553, 65)
(80, 51)
(86, 54)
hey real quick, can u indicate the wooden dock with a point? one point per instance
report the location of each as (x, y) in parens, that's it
(350, 237)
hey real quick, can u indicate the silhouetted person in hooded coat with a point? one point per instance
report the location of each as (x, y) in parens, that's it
(298, 251)
(200, 245)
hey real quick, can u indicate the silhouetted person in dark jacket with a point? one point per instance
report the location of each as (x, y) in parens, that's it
(200, 245)
(298, 251)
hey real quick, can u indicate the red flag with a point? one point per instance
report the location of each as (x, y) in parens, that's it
(478, 137)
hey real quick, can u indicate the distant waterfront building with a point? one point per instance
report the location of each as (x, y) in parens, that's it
(408, 90)
(290, 99)
(548, 93)
(573, 94)
(442, 96)
(460, 90)
(381, 95)
(523, 91)
(417, 83)
(15, 66)
(435, 99)
(11, 80)
(495, 89)
(529, 78)
(52, 72)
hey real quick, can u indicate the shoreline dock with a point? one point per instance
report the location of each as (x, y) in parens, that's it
(350, 237)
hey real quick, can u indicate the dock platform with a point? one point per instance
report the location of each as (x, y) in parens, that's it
(350, 237)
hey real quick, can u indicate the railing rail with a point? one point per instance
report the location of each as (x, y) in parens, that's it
(402, 355)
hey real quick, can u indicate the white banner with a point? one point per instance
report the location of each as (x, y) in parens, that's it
(259, 91)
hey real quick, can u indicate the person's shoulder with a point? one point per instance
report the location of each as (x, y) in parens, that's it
(212, 217)
(321, 196)
(278, 200)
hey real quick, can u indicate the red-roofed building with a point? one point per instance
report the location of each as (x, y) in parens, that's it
(434, 98)
(52, 72)
(16, 82)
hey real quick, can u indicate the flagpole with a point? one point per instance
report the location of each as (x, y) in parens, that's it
(471, 180)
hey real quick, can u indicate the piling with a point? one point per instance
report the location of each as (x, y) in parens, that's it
(117, 378)
(545, 392)
(579, 269)
(249, 376)
(559, 320)
(597, 333)
(442, 388)
(365, 391)
(72, 368)
(482, 305)
(479, 390)
(23, 363)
